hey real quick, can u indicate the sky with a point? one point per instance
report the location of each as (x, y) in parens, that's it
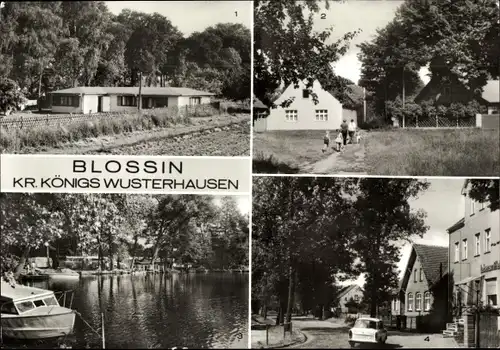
(244, 203)
(352, 15)
(444, 205)
(191, 16)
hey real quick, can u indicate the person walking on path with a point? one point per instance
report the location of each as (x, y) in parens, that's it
(326, 141)
(352, 130)
(344, 128)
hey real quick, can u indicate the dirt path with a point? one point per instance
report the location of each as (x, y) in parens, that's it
(349, 162)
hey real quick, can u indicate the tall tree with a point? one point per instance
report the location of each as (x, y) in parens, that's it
(384, 217)
(485, 190)
(286, 49)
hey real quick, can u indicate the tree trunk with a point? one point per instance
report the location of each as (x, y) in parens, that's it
(22, 262)
(40, 84)
(134, 249)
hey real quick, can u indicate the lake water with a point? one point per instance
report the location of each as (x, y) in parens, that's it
(153, 311)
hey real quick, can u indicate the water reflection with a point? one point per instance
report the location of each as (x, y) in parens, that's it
(153, 311)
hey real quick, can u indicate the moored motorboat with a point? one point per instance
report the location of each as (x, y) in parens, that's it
(33, 313)
(61, 273)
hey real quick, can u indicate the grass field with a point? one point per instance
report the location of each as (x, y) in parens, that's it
(440, 152)
(444, 152)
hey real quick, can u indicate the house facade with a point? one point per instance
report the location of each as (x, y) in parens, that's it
(423, 288)
(474, 243)
(450, 91)
(303, 113)
(115, 99)
(352, 292)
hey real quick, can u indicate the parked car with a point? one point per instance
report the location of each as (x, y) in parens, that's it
(367, 330)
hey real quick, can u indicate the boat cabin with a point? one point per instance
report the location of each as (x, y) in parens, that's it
(21, 300)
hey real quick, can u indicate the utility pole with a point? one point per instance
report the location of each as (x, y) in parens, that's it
(139, 103)
(404, 96)
(364, 104)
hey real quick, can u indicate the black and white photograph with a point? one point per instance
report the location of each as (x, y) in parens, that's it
(375, 262)
(110, 271)
(125, 77)
(395, 87)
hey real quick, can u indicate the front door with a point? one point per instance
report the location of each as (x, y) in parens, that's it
(99, 104)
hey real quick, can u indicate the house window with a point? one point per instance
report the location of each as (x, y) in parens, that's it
(464, 247)
(457, 252)
(127, 101)
(492, 110)
(472, 207)
(418, 302)
(410, 301)
(427, 301)
(194, 101)
(73, 101)
(321, 115)
(398, 305)
(477, 244)
(481, 206)
(291, 115)
(491, 291)
(415, 275)
(356, 298)
(305, 93)
(345, 298)
(421, 277)
(487, 241)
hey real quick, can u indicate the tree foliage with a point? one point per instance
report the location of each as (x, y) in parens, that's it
(53, 45)
(310, 233)
(457, 39)
(154, 228)
(287, 50)
(485, 190)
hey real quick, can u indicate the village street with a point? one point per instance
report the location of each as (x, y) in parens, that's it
(333, 333)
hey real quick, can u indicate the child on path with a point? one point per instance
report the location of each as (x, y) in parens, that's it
(326, 141)
(339, 141)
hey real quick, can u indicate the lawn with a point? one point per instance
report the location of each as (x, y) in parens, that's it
(443, 152)
(285, 151)
(410, 152)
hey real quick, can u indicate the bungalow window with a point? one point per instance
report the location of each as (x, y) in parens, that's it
(305, 93)
(427, 301)
(410, 301)
(321, 115)
(291, 115)
(418, 302)
(127, 101)
(464, 247)
(491, 291)
(477, 241)
(487, 241)
(194, 101)
(457, 252)
(70, 101)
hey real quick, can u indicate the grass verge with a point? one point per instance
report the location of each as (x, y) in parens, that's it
(12, 140)
(442, 152)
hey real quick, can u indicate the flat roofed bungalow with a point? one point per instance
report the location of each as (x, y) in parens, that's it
(94, 99)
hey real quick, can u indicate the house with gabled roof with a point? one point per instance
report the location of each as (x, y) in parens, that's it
(424, 287)
(445, 92)
(352, 292)
(94, 99)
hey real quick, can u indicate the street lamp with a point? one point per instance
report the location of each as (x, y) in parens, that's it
(46, 244)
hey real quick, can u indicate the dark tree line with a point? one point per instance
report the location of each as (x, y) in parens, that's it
(50, 45)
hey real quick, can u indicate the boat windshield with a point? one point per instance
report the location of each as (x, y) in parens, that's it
(28, 305)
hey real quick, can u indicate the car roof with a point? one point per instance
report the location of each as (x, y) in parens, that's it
(369, 319)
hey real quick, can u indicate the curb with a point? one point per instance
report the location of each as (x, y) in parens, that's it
(302, 340)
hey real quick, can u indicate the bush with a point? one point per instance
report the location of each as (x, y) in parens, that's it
(374, 124)
(51, 136)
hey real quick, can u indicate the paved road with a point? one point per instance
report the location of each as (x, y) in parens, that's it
(334, 334)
